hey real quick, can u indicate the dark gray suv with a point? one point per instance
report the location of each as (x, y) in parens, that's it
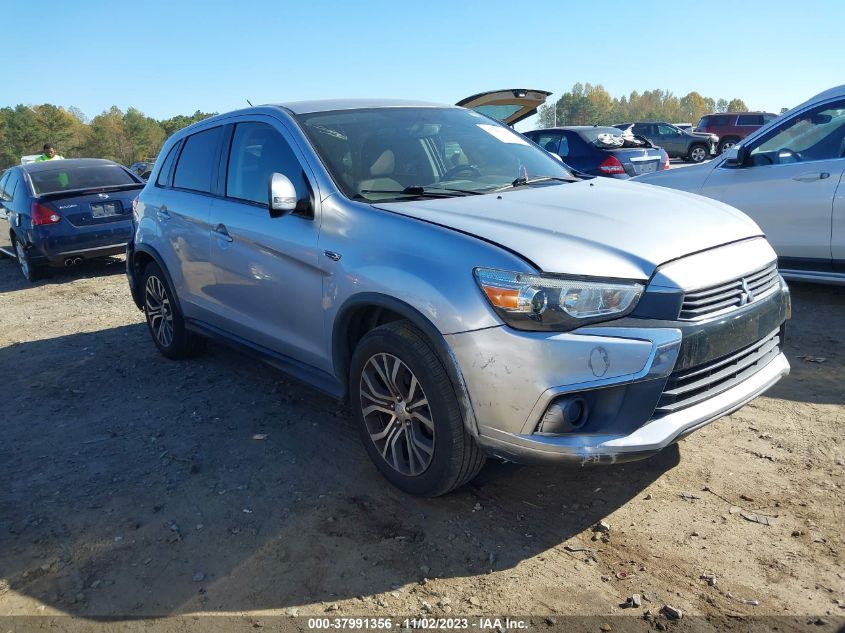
(678, 143)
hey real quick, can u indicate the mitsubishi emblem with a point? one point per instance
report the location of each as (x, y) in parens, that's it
(747, 296)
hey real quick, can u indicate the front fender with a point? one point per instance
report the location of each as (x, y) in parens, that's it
(438, 343)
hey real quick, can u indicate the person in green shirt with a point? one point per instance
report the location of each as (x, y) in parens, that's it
(49, 153)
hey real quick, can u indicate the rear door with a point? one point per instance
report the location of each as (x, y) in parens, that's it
(5, 240)
(181, 204)
(268, 282)
(789, 180)
(508, 106)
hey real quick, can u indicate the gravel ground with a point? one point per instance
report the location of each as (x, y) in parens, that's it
(134, 486)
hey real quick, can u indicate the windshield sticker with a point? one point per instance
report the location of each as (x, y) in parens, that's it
(504, 135)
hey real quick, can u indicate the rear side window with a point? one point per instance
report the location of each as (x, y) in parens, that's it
(257, 152)
(62, 178)
(165, 176)
(749, 119)
(198, 162)
(3, 180)
(549, 141)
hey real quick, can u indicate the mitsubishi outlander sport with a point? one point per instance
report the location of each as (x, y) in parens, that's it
(468, 293)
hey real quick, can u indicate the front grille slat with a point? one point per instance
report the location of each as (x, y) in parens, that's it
(713, 300)
(689, 387)
(715, 376)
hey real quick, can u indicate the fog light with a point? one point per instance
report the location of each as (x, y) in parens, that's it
(564, 415)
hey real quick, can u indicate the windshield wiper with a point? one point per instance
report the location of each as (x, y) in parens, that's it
(522, 181)
(427, 192)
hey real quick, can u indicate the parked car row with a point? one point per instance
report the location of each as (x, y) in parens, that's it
(468, 293)
(789, 176)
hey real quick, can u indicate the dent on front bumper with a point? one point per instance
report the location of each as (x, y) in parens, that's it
(512, 377)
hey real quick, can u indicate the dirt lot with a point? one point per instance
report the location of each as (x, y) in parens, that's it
(133, 486)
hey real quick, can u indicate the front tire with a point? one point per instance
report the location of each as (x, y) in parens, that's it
(408, 414)
(697, 154)
(164, 319)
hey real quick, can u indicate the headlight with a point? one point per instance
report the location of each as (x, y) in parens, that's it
(555, 302)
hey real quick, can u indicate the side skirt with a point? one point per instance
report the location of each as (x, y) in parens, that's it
(312, 377)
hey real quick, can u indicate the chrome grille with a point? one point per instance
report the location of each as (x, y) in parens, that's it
(688, 387)
(728, 296)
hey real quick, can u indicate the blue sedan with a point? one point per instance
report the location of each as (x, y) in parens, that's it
(601, 151)
(62, 212)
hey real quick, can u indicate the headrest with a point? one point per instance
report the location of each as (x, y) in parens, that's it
(384, 164)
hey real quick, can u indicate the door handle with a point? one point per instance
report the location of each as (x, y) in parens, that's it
(220, 232)
(163, 213)
(812, 176)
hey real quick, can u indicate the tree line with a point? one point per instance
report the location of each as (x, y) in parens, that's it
(587, 104)
(124, 137)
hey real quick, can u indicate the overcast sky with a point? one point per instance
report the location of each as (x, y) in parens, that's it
(174, 57)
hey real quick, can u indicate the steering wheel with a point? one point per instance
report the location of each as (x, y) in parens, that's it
(457, 169)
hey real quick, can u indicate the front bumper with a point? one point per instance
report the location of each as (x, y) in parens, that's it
(644, 441)
(622, 371)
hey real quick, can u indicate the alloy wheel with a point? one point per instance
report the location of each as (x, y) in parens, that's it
(22, 260)
(397, 414)
(159, 311)
(698, 154)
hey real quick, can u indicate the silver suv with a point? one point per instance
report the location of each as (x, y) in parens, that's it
(467, 293)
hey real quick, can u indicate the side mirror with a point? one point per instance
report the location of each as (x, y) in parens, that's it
(282, 195)
(734, 156)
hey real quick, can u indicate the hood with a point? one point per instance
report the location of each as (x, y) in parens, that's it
(600, 227)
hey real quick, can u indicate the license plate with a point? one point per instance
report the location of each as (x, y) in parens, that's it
(645, 168)
(105, 209)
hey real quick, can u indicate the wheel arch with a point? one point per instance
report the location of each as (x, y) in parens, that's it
(136, 262)
(364, 312)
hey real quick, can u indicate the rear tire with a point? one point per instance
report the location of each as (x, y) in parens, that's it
(408, 414)
(29, 271)
(164, 319)
(727, 144)
(697, 153)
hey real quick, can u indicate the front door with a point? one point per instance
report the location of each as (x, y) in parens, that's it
(837, 242)
(268, 282)
(670, 139)
(788, 181)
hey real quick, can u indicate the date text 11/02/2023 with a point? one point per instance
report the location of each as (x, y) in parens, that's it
(364, 623)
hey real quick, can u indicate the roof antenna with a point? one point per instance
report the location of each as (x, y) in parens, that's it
(250, 103)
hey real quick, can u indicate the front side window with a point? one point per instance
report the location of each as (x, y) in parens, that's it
(376, 153)
(198, 162)
(667, 130)
(817, 134)
(258, 151)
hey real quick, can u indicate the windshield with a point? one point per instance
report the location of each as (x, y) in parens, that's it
(79, 177)
(375, 154)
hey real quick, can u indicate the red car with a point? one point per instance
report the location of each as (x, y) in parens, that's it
(732, 127)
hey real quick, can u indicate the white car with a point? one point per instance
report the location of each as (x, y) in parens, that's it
(788, 176)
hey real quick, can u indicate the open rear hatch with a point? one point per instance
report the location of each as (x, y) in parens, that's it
(508, 106)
